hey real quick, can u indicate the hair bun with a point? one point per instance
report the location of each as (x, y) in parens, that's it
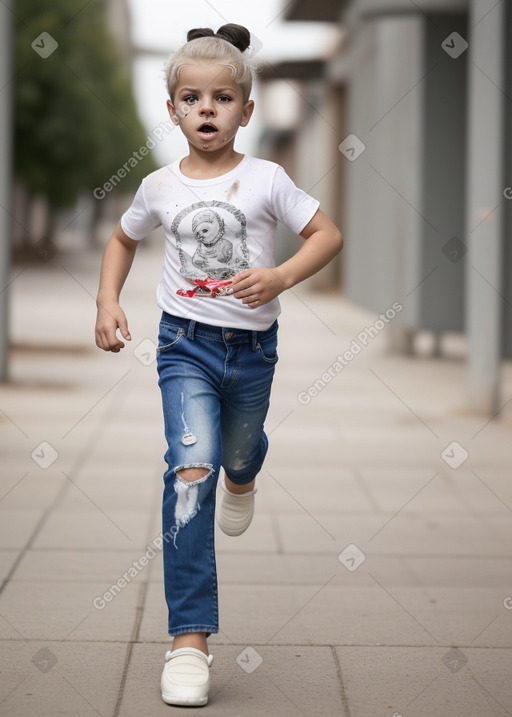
(237, 35)
(198, 32)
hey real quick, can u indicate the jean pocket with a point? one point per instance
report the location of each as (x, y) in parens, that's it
(268, 349)
(169, 337)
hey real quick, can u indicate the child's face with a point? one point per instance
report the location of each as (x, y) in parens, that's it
(209, 106)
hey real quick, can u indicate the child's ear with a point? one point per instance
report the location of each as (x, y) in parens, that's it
(172, 112)
(247, 113)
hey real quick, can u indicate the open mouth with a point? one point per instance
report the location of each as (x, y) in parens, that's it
(207, 130)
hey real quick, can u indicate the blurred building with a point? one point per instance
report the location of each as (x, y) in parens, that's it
(401, 135)
(119, 22)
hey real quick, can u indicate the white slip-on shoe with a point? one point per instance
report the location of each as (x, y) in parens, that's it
(234, 512)
(186, 677)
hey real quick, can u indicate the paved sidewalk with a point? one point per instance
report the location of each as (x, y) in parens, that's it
(375, 579)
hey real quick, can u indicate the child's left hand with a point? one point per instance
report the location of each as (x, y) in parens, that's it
(256, 287)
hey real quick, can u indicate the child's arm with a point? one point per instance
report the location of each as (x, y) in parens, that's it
(256, 287)
(117, 260)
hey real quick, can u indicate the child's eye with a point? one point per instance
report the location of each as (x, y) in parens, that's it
(224, 98)
(189, 99)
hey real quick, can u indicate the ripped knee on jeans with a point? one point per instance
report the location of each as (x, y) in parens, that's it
(187, 485)
(194, 471)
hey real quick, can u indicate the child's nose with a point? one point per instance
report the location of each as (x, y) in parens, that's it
(206, 106)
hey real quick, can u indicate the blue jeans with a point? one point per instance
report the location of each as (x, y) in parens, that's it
(215, 385)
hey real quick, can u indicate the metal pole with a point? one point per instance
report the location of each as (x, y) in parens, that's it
(5, 179)
(484, 205)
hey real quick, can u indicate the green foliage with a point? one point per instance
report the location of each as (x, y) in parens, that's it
(75, 117)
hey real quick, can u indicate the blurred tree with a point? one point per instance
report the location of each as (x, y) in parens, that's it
(76, 122)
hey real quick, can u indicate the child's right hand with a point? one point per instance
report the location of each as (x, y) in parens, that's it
(110, 318)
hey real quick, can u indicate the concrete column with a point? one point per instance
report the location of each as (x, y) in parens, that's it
(5, 179)
(484, 304)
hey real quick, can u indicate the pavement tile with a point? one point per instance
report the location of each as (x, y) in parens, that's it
(7, 560)
(137, 493)
(474, 616)
(425, 489)
(51, 678)
(93, 527)
(77, 565)
(31, 489)
(312, 490)
(420, 681)
(153, 626)
(457, 571)
(16, 526)
(383, 443)
(50, 610)
(323, 531)
(268, 569)
(444, 534)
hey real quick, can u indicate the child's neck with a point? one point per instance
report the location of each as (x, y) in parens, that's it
(206, 165)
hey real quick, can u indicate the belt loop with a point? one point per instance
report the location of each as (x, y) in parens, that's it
(191, 329)
(255, 340)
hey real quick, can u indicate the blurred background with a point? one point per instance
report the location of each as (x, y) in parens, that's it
(393, 113)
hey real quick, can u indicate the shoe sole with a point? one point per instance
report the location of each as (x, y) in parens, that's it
(232, 533)
(183, 701)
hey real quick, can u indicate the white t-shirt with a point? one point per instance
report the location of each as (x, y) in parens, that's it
(215, 228)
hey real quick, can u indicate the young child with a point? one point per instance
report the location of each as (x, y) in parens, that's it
(217, 346)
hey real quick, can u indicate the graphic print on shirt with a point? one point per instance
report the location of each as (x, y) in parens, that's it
(211, 238)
